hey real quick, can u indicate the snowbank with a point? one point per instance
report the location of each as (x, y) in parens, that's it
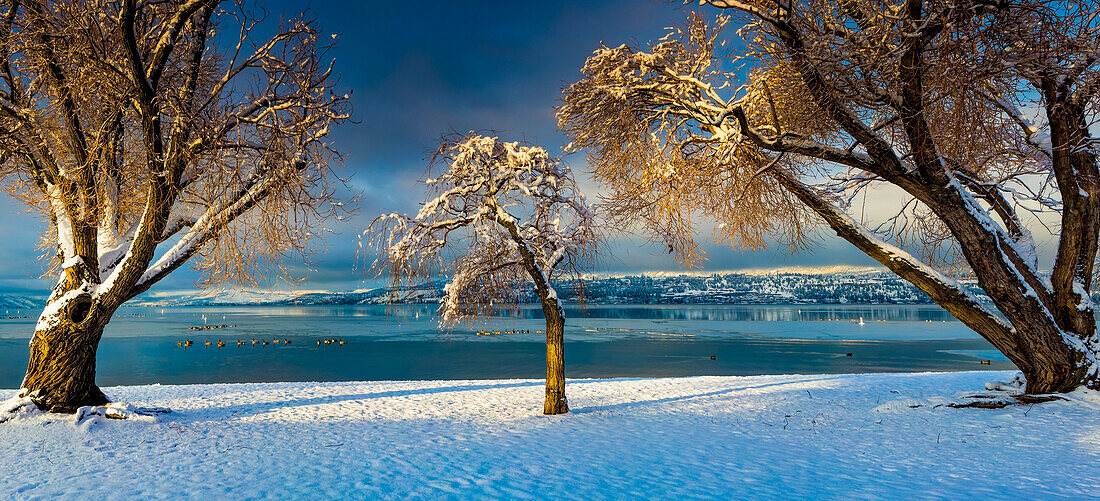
(815, 436)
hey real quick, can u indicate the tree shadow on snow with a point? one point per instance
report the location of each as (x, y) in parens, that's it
(623, 405)
(252, 409)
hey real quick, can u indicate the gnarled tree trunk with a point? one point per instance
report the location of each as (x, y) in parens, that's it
(555, 358)
(61, 370)
(1051, 367)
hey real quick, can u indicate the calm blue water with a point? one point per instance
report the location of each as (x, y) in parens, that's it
(139, 346)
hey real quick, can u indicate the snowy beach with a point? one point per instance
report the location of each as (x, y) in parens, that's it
(787, 437)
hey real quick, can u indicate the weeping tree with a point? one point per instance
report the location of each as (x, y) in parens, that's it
(500, 218)
(146, 141)
(973, 115)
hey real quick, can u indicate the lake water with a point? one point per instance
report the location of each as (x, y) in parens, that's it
(402, 343)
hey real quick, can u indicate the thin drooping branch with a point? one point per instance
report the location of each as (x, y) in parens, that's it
(803, 146)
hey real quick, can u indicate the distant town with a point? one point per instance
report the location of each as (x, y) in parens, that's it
(860, 286)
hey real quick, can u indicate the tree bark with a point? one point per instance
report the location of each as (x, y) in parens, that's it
(555, 358)
(61, 370)
(1052, 368)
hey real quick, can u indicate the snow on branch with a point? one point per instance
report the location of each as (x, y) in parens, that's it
(499, 216)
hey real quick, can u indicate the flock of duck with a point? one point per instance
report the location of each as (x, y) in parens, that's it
(221, 344)
(500, 333)
(188, 343)
(209, 327)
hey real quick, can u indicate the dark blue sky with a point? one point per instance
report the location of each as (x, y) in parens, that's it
(418, 70)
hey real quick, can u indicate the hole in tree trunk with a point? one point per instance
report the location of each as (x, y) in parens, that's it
(79, 308)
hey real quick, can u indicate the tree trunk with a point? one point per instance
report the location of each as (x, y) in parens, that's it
(555, 359)
(61, 370)
(1051, 367)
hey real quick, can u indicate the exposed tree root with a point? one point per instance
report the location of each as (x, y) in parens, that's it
(118, 411)
(17, 407)
(1002, 401)
(24, 407)
(1037, 399)
(993, 404)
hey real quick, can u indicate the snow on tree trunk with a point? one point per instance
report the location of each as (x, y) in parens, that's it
(61, 370)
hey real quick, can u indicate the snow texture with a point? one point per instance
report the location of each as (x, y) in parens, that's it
(881, 436)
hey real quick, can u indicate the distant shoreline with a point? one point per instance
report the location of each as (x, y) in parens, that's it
(759, 287)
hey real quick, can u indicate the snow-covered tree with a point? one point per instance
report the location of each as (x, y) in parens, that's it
(974, 114)
(146, 139)
(509, 217)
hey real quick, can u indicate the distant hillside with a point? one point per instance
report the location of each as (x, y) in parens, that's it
(851, 286)
(430, 292)
(861, 287)
(21, 302)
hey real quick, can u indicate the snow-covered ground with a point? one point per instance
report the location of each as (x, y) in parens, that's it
(780, 437)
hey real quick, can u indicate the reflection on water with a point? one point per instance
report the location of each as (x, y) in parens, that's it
(405, 342)
(743, 313)
(593, 323)
(150, 359)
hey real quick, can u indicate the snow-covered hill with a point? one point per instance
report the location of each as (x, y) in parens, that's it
(794, 286)
(860, 286)
(20, 302)
(426, 293)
